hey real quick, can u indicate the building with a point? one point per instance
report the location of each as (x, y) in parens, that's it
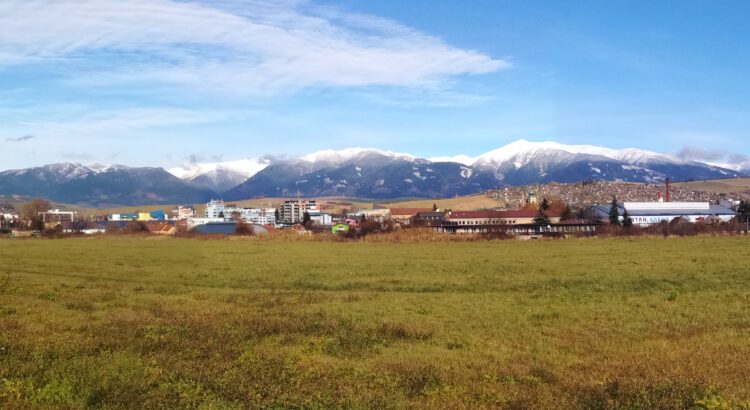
(157, 215)
(260, 216)
(650, 213)
(292, 212)
(403, 216)
(161, 228)
(194, 222)
(56, 216)
(183, 212)
(377, 215)
(429, 218)
(339, 228)
(123, 217)
(215, 209)
(492, 217)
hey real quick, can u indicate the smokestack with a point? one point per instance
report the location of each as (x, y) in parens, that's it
(669, 195)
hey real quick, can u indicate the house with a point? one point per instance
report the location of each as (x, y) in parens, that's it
(429, 218)
(344, 228)
(161, 228)
(403, 216)
(650, 213)
(377, 215)
(56, 216)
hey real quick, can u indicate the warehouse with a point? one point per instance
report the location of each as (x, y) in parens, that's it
(651, 213)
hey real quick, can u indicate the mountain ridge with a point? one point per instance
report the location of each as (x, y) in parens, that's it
(353, 172)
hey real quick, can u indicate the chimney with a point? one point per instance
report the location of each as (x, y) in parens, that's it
(669, 195)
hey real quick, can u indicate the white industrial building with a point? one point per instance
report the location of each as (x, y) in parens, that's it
(651, 213)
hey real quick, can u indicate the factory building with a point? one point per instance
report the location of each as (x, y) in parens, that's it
(650, 213)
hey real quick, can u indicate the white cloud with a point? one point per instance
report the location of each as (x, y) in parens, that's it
(74, 122)
(251, 47)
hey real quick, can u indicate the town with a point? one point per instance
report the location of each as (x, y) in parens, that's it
(561, 210)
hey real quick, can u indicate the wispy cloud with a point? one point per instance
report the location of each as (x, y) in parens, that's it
(249, 47)
(19, 139)
(717, 157)
(126, 119)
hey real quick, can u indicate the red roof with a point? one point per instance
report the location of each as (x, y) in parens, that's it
(476, 214)
(516, 213)
(158, 227)
(409, 211)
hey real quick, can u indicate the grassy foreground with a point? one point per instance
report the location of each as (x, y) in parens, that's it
(122, 322)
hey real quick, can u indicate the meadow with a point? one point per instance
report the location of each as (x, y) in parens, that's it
(141, 322)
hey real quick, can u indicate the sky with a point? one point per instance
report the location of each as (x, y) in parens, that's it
(167, 82)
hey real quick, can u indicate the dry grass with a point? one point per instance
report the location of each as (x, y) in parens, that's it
(469, 202)
(123, 322)
(718, 186)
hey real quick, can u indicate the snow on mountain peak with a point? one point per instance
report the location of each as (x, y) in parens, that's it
(245, 167)
(522, 151)
(347, 154)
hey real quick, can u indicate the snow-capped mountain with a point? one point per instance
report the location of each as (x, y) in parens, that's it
(100, 185)
(354, 172)
(375, 173)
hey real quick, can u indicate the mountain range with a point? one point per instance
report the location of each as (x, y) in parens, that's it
(354, 172)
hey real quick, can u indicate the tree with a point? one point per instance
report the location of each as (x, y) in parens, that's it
(31, 212)
(627, 221)
(242, 228)
(541, 217)
(434, 207)
(276, 215)
(544, 206)
(614, 213)
(221, 214)
(306, 219)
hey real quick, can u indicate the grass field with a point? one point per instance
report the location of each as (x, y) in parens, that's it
(131, 322)
(718, 186)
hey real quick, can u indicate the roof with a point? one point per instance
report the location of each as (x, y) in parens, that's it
(569, 222)
(681, 209)
(408, 211)
(430, 214)
(516, 213)
(159, 227)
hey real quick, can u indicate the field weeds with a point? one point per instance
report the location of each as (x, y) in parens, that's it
(123, 322)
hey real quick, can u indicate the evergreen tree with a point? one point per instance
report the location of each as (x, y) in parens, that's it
(614, 212)
(434, 207)
(544, 205)
(305, 218)
(627, 221)
(276, 215)
(541, 217)
(743, 211)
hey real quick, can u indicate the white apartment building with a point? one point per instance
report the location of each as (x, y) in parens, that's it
(293, 211)
(215, 209)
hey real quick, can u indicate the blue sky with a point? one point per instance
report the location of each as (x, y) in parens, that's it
(161, 82)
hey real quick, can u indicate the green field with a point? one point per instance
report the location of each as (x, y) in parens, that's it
(131, 322)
